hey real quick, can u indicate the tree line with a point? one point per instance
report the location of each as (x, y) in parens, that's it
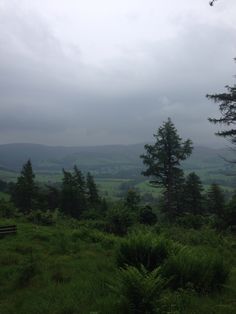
(73, 196)
(182, 194)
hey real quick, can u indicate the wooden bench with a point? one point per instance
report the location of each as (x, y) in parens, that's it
(5, 230)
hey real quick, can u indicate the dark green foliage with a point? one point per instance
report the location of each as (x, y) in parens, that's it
(27, 270)
(193, 194)
(202, 270)
(147, 216)
(189, 220)
(41, 218)
(119, 220)
(215, 200)
(73, 198)
(7, 209)
(132, 199)
(3, 186)
(52, 196)
(230, 214)
(226, 217)
(227, 108)
(93, 196)
(143, 249)
(139, 290)
(61, 243)
(59, 273)
(162, 160)
(25, 190)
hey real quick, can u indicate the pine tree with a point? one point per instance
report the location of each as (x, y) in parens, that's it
(25, 190)
(92, 190)
(193, 194)
(163, 163)
(216, 200)
(80, 185)
(230, 214)
(68, 195)
(227, 107)
(73, 200)
(132, 199)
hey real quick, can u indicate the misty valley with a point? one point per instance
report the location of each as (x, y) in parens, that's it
(156, 236)
(117, 157)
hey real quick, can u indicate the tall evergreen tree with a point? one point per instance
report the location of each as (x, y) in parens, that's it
(132, 199)
(227, 107)
(73, 199)
(193, 194)
(92, 190)
(230, 214)
(68, 195)
(216, 200)
(25, 190)
(162, 160)
(80, 185)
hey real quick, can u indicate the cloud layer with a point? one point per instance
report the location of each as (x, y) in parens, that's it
(85, 74)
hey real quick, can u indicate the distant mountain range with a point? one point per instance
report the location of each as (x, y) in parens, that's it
(120, 161)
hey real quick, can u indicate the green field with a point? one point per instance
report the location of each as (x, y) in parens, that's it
(70, 268)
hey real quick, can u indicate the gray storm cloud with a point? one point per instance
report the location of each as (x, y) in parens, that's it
(54, 92)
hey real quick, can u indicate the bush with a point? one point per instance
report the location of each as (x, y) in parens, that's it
(191, 221)
(41, 218)
(139, 290)
(118, 221)
(143, 249)
(204, 272)
(7, 209)
(93, 236)
(147, 217)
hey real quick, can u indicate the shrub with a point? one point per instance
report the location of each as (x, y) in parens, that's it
(41, 218)
(118, 221)
(147, 216)
(7, 209)
(143, 249)
(139, 290)
(191, 221)
(93, 236)
(205, 272)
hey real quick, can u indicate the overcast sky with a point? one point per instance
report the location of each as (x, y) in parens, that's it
(76, 72)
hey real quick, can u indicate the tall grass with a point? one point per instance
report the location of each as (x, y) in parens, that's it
(143, 249)
(203, 271)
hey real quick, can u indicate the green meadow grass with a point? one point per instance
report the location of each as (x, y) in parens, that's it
(71, 266)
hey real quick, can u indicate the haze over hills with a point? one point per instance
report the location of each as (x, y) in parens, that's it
(112, 161)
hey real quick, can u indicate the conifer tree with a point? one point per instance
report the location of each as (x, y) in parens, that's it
(162, 160)
(68, 195)
(132, 199)
(25, 190)
(216, 200)
(227, 108)
(93, 196)
(80, 186)
(193, 194)
(73, 200)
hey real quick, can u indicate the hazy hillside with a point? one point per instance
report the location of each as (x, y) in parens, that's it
(112, 161)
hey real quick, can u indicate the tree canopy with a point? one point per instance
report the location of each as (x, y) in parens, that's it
(162, 160)
(227, 108)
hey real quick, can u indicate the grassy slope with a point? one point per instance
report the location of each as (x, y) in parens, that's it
(74, 266)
